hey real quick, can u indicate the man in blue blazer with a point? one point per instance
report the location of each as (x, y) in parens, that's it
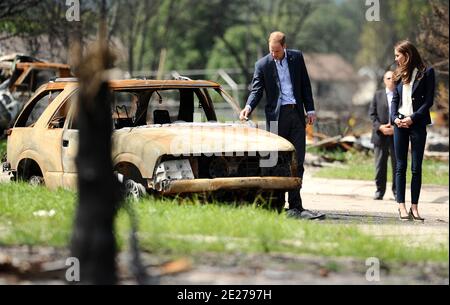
(282, 75)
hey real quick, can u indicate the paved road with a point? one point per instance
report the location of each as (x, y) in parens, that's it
(351, 201)
(356, 197)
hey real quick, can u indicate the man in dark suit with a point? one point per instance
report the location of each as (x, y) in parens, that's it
(382, 135)
(283, 76)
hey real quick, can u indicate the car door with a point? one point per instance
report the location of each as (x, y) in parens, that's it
(70, 145)
(31, 137)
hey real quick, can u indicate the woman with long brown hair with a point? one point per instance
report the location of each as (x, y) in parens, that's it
(410, 112)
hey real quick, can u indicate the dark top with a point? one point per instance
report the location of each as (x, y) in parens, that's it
(379, 114)
(422, 98)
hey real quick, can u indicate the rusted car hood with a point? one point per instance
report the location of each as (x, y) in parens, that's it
(186, 138)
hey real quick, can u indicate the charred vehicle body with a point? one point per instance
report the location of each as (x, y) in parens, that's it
(20, 77)
(165, 137)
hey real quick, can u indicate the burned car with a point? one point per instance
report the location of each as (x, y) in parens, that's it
(165, 136)
(20, 77)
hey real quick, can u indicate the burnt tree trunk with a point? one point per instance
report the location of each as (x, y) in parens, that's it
(93, 241)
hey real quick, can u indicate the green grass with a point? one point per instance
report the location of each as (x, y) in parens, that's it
(360, 166)
(166, 226)
(2, 148)
(19, 226)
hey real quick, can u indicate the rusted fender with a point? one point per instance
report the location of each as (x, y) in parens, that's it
(240, 183)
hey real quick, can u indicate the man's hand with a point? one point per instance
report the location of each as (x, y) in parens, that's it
(386, 129)
(311, 118)
(244, 114)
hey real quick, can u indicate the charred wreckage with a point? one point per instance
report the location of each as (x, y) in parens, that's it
(166, 138)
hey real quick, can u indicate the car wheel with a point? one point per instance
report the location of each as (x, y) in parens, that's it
(36, 180)
(131, 179)
(134, 189)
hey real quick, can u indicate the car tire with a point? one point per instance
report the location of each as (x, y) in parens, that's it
(133, 189)
(36, 180)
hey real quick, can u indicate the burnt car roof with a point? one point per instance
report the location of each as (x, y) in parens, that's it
(15, 69)
(19, 61)
(124, 84)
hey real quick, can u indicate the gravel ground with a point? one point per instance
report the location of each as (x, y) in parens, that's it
(46, 265)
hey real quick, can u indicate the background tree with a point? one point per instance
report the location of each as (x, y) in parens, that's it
(434, 41)
(338, 33)
(93, 241)
(44, 29)
(377, 39)
(12, 8)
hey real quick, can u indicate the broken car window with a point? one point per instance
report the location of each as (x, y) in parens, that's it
(58, 119)
(161, 106)
(178, 105)
(35, 108)
(123, 109)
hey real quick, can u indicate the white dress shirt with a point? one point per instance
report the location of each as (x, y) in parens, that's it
(407, 108)
(389, 96)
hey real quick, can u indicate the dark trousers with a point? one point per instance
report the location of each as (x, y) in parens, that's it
(382, 153)
(292, 128)
(417, 134)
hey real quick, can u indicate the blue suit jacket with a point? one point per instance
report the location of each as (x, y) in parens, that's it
(422, 98)
(266, 79)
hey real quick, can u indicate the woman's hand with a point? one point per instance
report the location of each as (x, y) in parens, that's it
(403, 123)
(407, 122)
